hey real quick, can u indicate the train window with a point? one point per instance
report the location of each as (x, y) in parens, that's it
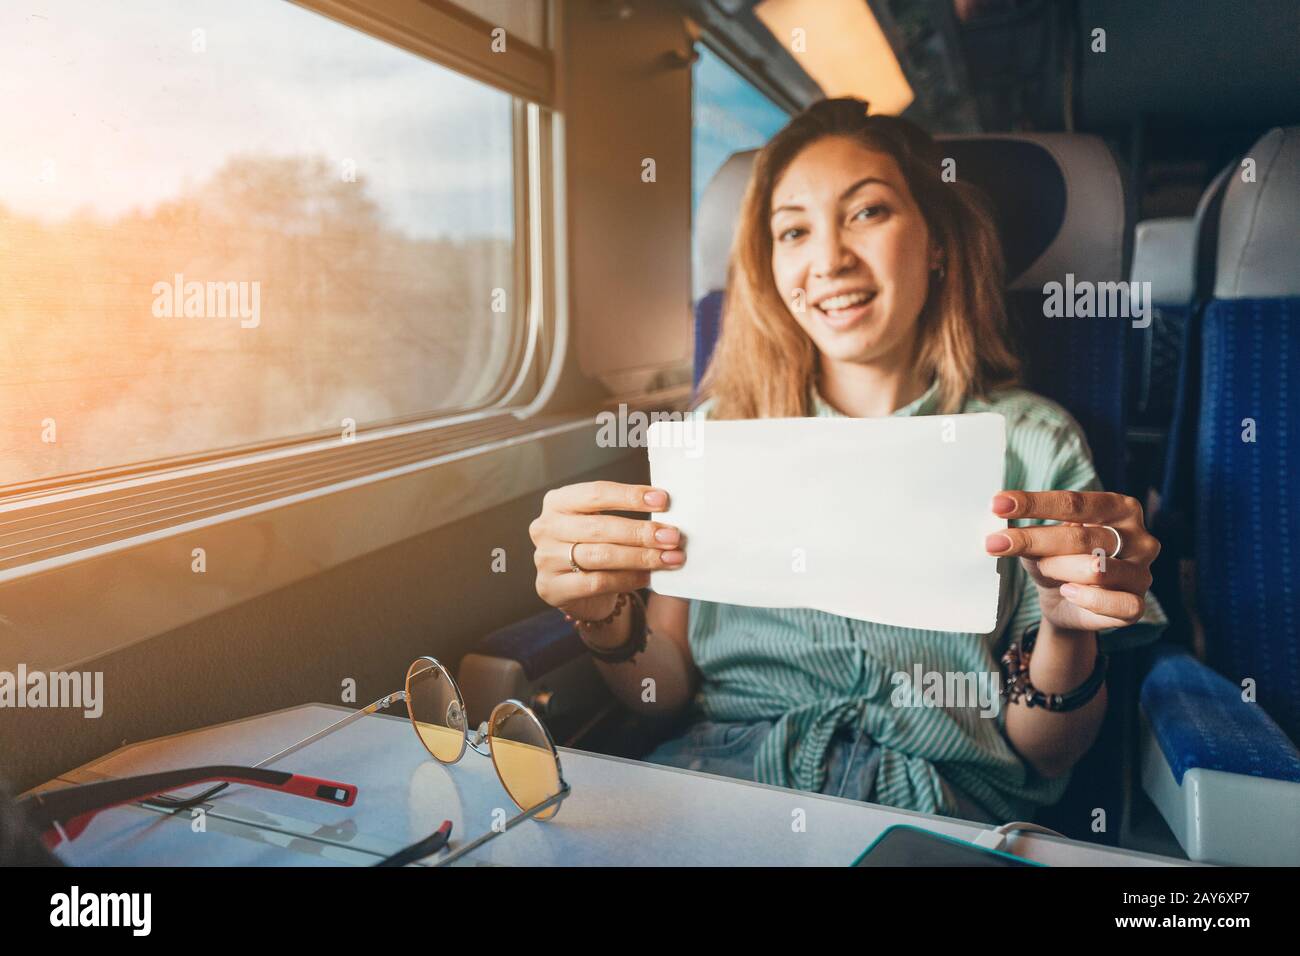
(728, 114)
(237, 223)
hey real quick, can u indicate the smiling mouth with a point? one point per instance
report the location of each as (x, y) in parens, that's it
(844, 308)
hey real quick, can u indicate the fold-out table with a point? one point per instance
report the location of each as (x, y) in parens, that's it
(621, 812)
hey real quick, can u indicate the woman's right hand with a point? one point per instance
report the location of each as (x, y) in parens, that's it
(616, 554)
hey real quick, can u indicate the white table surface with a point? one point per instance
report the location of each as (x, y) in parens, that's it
(621, 812)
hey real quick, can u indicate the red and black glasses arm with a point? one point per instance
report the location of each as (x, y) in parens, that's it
(73, 808)
(418, 851)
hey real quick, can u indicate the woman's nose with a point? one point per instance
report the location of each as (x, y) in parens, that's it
(830, 255)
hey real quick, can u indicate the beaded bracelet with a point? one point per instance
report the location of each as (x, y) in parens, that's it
(637, 637)
(1017, 686)
(580, 623)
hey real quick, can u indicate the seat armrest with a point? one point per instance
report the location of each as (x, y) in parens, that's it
(1206, 755)
(541, 662)
(1200, 721)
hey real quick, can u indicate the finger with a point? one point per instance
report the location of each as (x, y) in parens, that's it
(608, 529)
(588, 497)
(1041, 542)
(560, 589)
(1121, 608)
(1118, 574)
(1083, 507)
(605, 557)
(1075, 617)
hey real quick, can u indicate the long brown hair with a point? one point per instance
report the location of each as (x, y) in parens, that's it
(764, 363)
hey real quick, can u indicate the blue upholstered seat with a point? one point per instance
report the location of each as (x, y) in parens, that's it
(1172, 522)
(1247, 515)
(1201, 721)
(1239, 388)
(539, 643)
(1246, 524)
(708, 321)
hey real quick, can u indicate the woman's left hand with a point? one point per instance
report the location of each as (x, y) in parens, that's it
(1080, 587)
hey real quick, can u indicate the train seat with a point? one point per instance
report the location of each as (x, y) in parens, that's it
(1169, 510)
(1164, 258)
(1050, 234)
(1036, 183)
(1220, 734)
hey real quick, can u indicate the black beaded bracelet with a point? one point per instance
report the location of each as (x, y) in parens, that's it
(636, 641)
(1016, 685)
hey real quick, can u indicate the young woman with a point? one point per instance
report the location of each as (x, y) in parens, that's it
(862, 284)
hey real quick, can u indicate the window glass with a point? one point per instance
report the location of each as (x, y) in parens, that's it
(226, 222)
(729, 115)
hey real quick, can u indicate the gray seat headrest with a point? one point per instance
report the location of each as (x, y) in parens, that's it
(716, 220)
(1164, 254)
(1259, 225)
(1083, 233)
(1086, 230)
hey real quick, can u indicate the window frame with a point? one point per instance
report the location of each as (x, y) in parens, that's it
(520, 382)
(445, 33)
(69, 609)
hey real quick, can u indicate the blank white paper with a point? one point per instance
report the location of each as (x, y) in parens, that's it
(879, 519)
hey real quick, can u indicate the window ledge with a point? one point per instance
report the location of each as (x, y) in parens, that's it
(87, 571)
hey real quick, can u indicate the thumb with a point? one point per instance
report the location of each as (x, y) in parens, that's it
(1031, 568)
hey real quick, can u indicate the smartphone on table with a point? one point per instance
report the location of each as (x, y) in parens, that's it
(906, 845)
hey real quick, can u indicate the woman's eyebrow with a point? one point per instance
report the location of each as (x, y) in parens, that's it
(863, 182)
(843, 196)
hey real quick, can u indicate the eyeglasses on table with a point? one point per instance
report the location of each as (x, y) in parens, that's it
(518, 743)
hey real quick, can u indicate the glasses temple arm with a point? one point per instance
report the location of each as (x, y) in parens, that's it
(175, 805)
(74, 807)
(382, 704)
(513, 821)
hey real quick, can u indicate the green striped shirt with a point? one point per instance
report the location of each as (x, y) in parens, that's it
(811, 672)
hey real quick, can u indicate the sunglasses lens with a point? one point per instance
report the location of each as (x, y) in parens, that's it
(524, 758)
(436, 710)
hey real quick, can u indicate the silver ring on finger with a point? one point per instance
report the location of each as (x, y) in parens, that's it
(1119, 541)
(573, 561)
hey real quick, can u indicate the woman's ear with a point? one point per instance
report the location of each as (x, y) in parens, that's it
(938, 264)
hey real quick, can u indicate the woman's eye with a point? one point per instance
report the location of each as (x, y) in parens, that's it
(792, 233)
(870, 212)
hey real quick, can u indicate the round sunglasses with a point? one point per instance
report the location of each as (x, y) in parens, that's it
(518, 743)
(522, 751)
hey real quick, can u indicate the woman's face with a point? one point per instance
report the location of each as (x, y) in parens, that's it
(851, 253)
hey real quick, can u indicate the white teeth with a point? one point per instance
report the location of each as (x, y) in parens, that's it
(846, 301)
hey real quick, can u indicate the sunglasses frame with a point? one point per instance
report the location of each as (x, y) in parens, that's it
(480, 740)
(66, 812)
